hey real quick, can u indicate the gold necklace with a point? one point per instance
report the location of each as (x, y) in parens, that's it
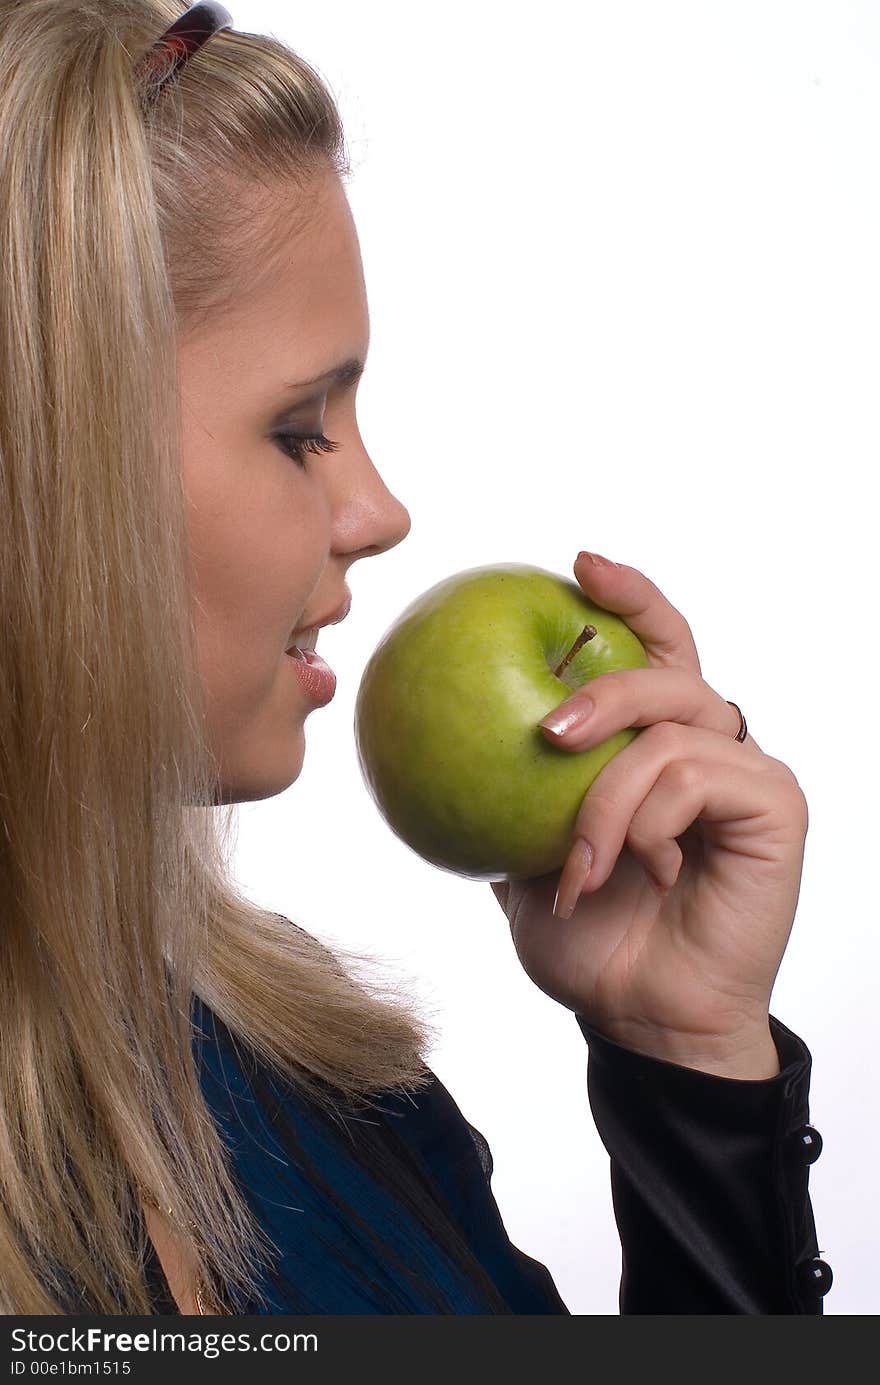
(205, 1305)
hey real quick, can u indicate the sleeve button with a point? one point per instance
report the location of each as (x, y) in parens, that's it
(815, 1278)
(808, 1144)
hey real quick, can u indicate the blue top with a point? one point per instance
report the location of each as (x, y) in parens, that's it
(709, 1178)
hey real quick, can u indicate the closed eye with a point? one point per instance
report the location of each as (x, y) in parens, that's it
(295, 445)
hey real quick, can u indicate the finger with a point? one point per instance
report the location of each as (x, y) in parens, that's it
(629, 697)
(706, 769)
(679, 798)
(669, 808)
(627, 592)
(500, 889)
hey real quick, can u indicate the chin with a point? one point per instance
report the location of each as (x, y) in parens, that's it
(279, 772)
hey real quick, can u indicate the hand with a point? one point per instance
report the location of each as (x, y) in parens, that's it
(679, 928)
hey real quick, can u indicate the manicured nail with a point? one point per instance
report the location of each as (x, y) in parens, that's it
(558, 722)
(597, 560)
(573, 878)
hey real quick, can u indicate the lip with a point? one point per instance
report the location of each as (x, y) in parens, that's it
(333, 618)
(316, 677)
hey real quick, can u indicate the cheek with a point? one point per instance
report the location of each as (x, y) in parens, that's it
(234, 677)
(257, 553)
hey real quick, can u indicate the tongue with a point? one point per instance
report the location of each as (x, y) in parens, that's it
(311, 656)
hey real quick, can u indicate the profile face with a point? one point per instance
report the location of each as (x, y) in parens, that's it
(271, 538)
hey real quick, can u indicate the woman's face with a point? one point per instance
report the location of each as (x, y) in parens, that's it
(271, 540)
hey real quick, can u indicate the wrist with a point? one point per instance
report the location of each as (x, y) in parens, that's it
(748, 1055)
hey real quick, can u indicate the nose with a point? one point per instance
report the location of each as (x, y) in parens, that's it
(370, 519)
(396, 521)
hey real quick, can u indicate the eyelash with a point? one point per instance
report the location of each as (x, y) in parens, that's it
(300, 443)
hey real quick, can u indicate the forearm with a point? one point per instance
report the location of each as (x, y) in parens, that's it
(750, 1054)
(709, 1184)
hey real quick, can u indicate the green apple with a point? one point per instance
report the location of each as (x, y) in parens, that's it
(447, 711)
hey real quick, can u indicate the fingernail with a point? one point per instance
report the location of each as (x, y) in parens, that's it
(557, 723)
(597, 560)
(573, 878)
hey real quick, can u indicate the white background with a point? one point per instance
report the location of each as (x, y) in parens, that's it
(622, 267)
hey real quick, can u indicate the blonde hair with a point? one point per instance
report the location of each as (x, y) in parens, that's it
(117, 900)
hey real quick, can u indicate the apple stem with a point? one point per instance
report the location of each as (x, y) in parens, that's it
(586, 634)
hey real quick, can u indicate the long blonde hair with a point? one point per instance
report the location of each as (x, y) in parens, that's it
(117, 899)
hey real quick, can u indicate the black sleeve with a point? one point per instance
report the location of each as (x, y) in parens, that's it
(709, 1181)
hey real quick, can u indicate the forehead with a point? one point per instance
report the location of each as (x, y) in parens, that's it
(307, 308)
(318, 270)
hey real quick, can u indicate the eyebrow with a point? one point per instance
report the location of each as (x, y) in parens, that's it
(344, 374)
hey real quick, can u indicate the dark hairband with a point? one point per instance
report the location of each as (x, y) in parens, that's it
(184, 37)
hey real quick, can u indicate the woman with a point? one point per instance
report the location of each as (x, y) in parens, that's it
(204, 1109)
